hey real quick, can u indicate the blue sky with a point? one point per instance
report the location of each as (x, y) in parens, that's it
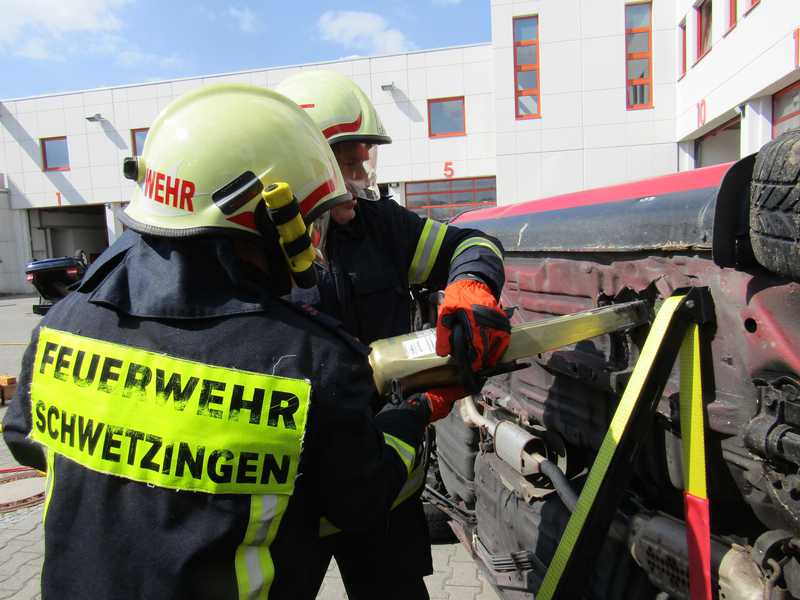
(60, 45)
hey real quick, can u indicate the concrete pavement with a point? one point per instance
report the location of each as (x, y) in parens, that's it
(455, 577)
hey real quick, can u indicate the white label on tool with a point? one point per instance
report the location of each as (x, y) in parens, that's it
(424, 345)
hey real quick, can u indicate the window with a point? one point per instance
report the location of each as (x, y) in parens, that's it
(722, 144)
(731, 14)
(442, 200)
(55, 156)
(446, 117)
(786, 110)
(682, 28)
(138, 137)
(526, 68)
(703, 12)
(638, 56)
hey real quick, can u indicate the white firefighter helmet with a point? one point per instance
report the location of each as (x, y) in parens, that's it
(340, 108)
(209, 154)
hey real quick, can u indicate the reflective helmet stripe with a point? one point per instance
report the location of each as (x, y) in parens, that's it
(315, 196)
(246, 219)
(476, 241)
(430, 241)
(342, 128)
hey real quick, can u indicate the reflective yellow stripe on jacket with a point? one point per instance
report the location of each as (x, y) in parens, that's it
(255, 570)
(428, 246)
(476, 241)
(406, 452)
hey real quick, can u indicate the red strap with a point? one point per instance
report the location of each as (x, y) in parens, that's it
(698, 537)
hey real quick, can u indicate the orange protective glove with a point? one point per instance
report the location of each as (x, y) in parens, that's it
(440, 400)
(486, 328)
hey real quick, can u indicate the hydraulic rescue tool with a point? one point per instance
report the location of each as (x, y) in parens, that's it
(411, 360)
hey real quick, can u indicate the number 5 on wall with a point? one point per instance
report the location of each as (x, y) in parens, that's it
(448, 169)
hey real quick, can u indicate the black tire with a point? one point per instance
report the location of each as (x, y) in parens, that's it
(438, 527)
(775, 206)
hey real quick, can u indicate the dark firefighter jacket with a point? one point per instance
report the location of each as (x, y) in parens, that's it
(195, 430)
(372, 262)
(374, 259)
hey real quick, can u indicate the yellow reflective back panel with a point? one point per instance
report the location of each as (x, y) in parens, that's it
(167, 421)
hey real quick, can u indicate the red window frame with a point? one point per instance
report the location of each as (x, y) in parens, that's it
(731, 14)
(521, 67)
(683, 63)
(43, 146)
(699, 53)
(137, 151)
(751, 4)
(778, 94)
(646, 81)
(463, 117)
(474, 189)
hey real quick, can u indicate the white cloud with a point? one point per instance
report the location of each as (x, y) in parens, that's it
(57, 17)
(56, 29)
(363, 31)
(245, 18)
(34, 48)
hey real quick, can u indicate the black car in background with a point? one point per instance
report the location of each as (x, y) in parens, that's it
(53, 277)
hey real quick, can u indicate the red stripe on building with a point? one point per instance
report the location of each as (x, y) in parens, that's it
(342, 128)
(667, 184)
(315, 196)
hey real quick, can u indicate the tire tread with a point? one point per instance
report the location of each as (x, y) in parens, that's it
(775, 205)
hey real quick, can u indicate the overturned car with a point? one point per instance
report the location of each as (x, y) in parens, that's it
(731, 229)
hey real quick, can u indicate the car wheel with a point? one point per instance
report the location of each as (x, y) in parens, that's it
(775, 206)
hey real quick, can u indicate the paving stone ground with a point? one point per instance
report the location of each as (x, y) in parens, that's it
(455, 576)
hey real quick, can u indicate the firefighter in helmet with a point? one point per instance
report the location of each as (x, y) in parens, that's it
(373, 252)
(190, 421)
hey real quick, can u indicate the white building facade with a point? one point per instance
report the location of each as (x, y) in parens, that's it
(568, 95)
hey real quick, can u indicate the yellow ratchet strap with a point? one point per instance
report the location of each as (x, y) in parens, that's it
(649, 369)
(695, 498)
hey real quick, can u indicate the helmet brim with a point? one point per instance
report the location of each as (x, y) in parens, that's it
(189, 232)
(367, 139)
(327, 205)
